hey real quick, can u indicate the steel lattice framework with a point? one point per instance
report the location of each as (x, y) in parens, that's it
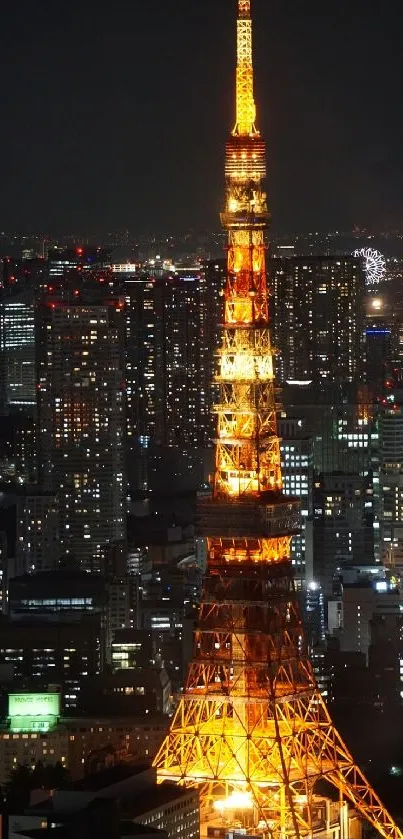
(252, 728)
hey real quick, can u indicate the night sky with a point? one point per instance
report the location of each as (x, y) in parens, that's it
(115, 113)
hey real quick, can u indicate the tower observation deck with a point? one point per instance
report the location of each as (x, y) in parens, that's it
(252, 729)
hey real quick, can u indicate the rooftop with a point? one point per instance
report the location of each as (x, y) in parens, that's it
(156, 796)
(69, 831)
(110, 776)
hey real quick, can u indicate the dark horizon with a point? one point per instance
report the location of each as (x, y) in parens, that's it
(115, 115)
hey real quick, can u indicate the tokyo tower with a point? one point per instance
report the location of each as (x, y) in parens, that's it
(252, 729)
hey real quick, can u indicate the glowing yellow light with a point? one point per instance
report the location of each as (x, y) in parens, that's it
(245, 103)
(240, 483)
(244, 366)
(252, 730)
(377, 303)
(235, 801)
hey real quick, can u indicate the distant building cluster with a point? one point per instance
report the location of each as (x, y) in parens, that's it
(107, 382)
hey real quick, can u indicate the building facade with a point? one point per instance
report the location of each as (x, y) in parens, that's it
(343, 526)
(78, 743)
(81, 423)
(37, 538)
(17, 337)
(296, 449)
(391, 480)
(171, 339)
(318, 318)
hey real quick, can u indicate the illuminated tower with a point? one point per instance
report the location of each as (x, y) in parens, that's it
(252, 728)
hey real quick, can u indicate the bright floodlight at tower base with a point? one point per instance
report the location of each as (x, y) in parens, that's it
(252, 730)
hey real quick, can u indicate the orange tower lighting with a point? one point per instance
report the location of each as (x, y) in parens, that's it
(252, 729)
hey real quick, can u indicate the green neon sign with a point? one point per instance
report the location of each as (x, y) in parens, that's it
(39, 705)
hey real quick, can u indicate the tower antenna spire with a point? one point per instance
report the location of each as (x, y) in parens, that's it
(245, 103)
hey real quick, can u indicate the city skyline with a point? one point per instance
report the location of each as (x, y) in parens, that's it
(103, 113)
(201, 447)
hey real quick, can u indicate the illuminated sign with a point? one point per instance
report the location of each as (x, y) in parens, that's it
(33, 711)
(34, 705)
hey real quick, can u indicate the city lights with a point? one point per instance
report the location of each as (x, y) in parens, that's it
(201, 437)
(235, 801)
(252, 724)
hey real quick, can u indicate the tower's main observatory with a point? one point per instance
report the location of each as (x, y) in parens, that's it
(252, 729)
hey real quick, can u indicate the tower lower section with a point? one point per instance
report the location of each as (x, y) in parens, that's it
(252, 729)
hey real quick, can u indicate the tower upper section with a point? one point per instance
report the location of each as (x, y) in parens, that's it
(245, 103)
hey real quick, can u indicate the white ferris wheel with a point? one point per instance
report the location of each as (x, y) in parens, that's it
(374, 264)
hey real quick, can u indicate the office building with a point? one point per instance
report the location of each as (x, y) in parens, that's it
(339, 418)
(61, 593)
(363, 602)
(142, 373)
(343, 526)
(3, 569)
(318, 318)
(35, 729)
(81, 425)
(171, 338)
(378, 356)
(385, 658)
(314, 614)
(140, 691)
(296, 449)
(132, 648)
(21, 281)
(122, 800)
(18, 446)
(55, 650)
(68, 594)
(384, 340)
(37, 537)
(17, 343)
(391, 479)
(63, 262)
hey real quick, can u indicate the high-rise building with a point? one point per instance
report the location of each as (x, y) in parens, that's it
(343, 526)
(361, 602)
(296, 449)
(318, 318)
(183, 414)
(378, 355)
(314, 614)
(391, 479)
(142, 370)
(21, 280)
(81, 424)
(384, 339)
(18, 446)
(212, 284)
(37, 538)
(385, 657)
(40, 652)
(62, 261)
(171, 339)
(252, 730)
(17, 336)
